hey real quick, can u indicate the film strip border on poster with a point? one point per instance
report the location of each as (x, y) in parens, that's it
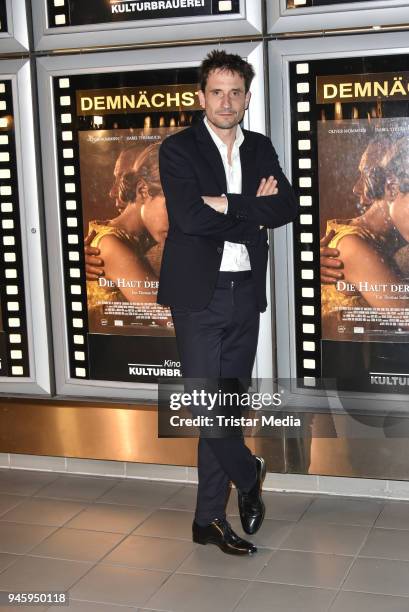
(3, 16)
(71, 228)
(306, 228)
(58, 13)
(11, 268)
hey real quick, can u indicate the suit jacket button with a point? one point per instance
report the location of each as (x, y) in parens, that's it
(220, 249)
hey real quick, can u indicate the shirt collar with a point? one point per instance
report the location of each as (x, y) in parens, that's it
(218, 141)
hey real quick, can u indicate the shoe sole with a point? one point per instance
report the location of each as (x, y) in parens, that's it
(228, 551)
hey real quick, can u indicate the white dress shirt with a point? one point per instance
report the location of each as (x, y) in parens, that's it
(235, 256)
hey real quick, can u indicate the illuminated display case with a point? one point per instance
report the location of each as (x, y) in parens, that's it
(346, 131)
(322, 15)
(111, 339)
(97, 23)
(13, 26)
(24, 350)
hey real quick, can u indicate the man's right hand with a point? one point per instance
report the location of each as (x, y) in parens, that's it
(267, 187)
(94, 265)
(329, 264)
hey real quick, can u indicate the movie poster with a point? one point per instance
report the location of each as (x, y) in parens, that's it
(354, 127)
(124, 206)
(14, 339)
(372, 302)
(78, 12)
(110, 131)
(304, 3)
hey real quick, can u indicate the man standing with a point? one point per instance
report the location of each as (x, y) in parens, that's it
(223, 187)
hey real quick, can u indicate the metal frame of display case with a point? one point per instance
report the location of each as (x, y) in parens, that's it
(22, 239)
(370, 13)
(281, 53)
(46, 37)
(144, 60)
(15, 39)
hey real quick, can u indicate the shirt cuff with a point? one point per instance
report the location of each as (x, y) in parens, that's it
(227, 203)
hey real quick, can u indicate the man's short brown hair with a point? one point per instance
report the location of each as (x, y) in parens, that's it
(231, 62)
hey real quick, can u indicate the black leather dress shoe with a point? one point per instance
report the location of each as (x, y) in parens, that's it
(219, 532)
(251, 505)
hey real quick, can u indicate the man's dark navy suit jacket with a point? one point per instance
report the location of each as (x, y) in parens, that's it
(191, 166)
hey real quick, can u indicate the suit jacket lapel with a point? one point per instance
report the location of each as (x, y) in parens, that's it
(249, 174)
(211, 153)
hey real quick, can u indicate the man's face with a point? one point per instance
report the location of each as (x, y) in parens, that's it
(123, 164)
(224, 99)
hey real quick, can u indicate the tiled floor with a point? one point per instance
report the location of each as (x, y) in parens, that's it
(121, 546)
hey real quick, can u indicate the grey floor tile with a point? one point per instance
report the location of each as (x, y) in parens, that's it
(209, 560)
(150, 553)
(379, 576)
(7, 502)
(184, 499)
(78, 488)
(366, 602)
(270, 535)
(343, 511)
(285, 506)
(387, 544)
(24, 482)
(325, 538)
(185, 593)
(109, 518)
(306, 569)
(43, 512)
(126, 586)
(7, 559)
(142, 493)
(87, 606)
(20, 538)
(264, 597)
(395, 515)
(38, 574)
(77, 545)
(167, 524)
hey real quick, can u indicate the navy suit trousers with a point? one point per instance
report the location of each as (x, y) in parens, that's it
(220, 341)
